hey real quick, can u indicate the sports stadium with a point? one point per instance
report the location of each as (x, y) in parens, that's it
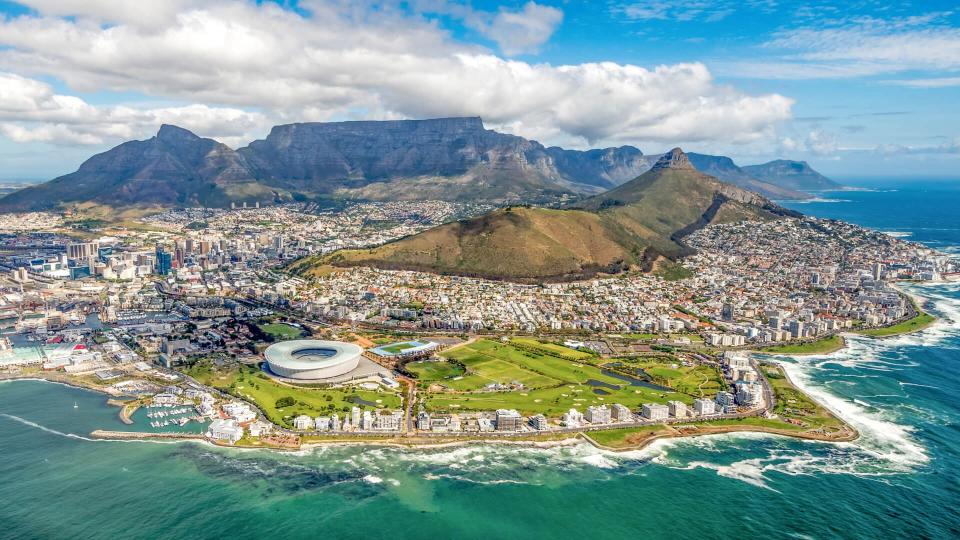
(405, 349)
(312, 359)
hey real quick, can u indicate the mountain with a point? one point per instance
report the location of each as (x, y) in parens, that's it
(796, 175)
(454, 159)
(630, 226)
(175, 167)
(724, 169)
(444, 158)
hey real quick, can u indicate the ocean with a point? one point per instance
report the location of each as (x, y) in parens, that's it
(900, 480)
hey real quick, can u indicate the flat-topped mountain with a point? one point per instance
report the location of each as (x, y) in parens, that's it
(445, 158)
(630, 226)
(796, 175)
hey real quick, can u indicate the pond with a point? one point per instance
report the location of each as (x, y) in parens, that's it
(642, 379)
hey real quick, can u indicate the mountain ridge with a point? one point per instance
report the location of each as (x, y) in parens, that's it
(629, 227)
(446, 158)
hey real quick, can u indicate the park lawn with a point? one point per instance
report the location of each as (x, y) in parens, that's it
(794, 404)
(558, 350)
(251, 384)
(500, 362)
(697, 380)
(626, 437)
(824, 345)
(551, 402)
(919, 322)
(429, 372)
(280, 331)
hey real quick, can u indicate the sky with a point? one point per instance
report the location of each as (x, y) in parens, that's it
(858, 89)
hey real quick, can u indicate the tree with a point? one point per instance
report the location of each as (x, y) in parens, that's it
(285, 401)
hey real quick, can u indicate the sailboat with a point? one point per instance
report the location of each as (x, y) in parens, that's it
(75, 406)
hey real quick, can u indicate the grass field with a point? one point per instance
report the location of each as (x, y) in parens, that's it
(696, 380)
(794, 404)
(251, 384)
(280, 331)
(825, 345)
(552, 349)
(919, 322)
(397, 347)
(430, 372)
(626, 437)
(551, 385)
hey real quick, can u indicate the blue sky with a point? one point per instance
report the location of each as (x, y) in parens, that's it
(858, 89)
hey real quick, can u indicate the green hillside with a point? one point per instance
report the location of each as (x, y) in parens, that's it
(628, 227)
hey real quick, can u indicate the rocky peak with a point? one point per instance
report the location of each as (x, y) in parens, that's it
(674, 159)
(175, 134)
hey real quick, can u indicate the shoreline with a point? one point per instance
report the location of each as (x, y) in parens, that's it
(414, 443)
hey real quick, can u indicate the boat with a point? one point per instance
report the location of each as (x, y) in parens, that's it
(75, 406)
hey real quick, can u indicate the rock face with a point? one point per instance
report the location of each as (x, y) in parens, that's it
(723, 168)
(347, 157)
(444, 158)
(175, 167)
(796, 175)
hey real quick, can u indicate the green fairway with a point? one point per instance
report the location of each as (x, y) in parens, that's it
(251, 384)
(919, 322)
(695, 380)
(280, 331)
(429, 372)
(551, 385)
(825, 345)
(551, 348)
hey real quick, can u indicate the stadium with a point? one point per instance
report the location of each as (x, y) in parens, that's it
(311, 359)
(406, 349)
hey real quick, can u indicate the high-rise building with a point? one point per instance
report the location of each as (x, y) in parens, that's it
(164, 261)
(83, 250)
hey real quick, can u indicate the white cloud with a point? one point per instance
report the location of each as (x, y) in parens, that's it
(678, 10)
(30, 111)
(343, 62)
(522, 31)
(858, 47)
(936, 82)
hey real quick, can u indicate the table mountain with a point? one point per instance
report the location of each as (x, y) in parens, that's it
(630, 226)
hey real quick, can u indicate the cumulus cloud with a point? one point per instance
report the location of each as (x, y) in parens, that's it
(522, 31)
(817, 142)
(336, 61)
(30, 111)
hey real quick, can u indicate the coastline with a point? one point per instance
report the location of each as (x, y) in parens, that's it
(694, 429)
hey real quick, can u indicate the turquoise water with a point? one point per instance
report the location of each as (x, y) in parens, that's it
(901, 479)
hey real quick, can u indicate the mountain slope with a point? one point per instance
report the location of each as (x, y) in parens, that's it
(724, 169)
(444, 158)
(627, 227)
(173, 168)
(796, 175)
